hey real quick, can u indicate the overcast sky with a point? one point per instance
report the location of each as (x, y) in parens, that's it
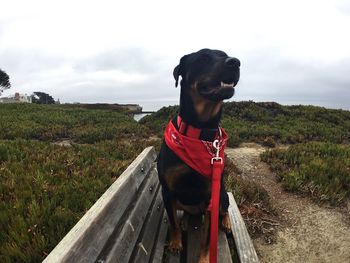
(292, 52)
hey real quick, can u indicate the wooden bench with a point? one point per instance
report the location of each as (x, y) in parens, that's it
(129, 224)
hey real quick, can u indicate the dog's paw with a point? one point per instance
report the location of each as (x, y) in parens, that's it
(204, 257)
(175, 244)
(226, 223)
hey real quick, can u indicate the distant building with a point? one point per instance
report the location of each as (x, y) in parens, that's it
(131, 107)
(17, 98)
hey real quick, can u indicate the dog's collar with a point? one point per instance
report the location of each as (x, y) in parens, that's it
(193, 132)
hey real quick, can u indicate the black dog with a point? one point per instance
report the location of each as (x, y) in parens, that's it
(208, 77)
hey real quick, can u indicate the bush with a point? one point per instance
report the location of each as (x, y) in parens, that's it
(269, 142)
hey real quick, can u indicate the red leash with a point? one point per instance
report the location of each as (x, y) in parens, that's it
(218, 166)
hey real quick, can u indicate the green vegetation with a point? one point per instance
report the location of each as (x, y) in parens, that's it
(157, 121)
(54, 122)
(45, 188)
(259, 122)
(270, 123)
(317, 168)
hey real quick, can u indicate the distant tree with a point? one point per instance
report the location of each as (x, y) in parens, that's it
(42, 98)
(4, 81)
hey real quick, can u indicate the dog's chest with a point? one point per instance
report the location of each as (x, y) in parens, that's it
(189, 187)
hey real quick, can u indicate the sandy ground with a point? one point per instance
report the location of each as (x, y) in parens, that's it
(306, 231)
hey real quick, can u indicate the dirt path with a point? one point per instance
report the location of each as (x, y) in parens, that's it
(307, 232)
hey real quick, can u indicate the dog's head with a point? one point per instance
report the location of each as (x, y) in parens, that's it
(211, 74)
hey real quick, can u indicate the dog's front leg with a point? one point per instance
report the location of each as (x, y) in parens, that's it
(224, 204)
(175, 243)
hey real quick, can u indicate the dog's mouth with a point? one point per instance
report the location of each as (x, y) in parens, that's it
(227, 85)
(219, 91)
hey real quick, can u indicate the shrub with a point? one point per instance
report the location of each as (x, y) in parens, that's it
(269, 142)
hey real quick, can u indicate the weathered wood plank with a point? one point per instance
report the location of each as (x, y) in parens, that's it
(194, 232)
(224, 253)
(145, 244)
(174, 258)
(121, 243)
(244, 244)
(194, 229)
(86, 239)
(159, 248)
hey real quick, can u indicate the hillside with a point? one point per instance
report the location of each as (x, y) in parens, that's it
(270, 123)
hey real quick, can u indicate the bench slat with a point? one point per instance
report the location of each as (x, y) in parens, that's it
(174, 258)
(160, 242)
(194, 239)
(224, 253)
(121, 242)
(86, 239)
(194, 229)
(244, 244)
(143, 249)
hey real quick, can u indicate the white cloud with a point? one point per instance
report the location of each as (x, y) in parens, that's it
(94, 50)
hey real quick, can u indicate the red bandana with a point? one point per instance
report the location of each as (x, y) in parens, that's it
(194, 152)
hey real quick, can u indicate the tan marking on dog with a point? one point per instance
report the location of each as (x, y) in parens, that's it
(204, 108)
(226, 223)
(175, 244)
(191, 209)
(204, 257)
(173, 173)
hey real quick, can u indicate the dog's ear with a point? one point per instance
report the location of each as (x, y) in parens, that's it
(176, 74)
(179, 70)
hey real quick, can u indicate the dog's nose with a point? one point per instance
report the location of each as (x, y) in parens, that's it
(233, 62)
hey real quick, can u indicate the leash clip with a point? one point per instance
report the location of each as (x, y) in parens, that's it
(216, 145)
